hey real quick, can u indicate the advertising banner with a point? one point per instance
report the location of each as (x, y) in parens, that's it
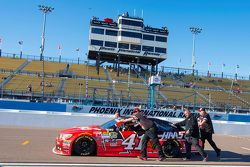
(165, 113)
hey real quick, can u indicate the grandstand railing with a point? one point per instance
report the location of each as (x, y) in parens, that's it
(164, 69)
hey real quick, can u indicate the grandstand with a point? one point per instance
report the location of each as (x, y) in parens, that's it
(130, 88)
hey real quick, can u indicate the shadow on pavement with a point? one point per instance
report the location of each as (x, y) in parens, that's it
(226, 156)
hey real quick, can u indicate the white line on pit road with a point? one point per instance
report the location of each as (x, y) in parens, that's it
(245, 148)
(102, 165)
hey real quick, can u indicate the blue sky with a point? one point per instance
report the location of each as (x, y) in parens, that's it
(225, 38)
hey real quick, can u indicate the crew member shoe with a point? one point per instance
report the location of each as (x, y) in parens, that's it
(186, 159)
(161, 159)
(218, 154)
(205, 159)
(142, 158)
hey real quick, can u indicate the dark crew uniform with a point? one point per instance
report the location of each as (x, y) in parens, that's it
(207, 131)
(192, 137)
(150, 133)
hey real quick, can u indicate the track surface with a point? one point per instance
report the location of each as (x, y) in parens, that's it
(23, 144)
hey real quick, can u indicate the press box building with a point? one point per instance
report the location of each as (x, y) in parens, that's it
(126, 41)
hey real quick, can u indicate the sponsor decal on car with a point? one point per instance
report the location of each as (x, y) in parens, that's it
(66, 150)
(113, 135)
(85, 133)
(66, 143)
(105, 135)
(171, 135)
(84, 137)
(113, 142)
(98, 135)
(106, 140)
(130, 144)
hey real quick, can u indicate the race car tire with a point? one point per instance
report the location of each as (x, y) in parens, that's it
(84, 146)
(171, 149)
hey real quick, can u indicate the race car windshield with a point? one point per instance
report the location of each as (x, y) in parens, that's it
(108, 124)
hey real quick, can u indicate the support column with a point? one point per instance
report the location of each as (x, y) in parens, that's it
(137, 62)
(118, 65)
(156, 70)
(98, 63)
(152, 88)
(153, 69)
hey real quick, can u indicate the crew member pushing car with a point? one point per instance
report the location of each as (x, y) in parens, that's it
(150, 133)
(191, 135)
(206, 129)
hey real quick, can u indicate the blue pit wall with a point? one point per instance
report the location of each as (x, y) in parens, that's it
(56, 107)
(38, 106)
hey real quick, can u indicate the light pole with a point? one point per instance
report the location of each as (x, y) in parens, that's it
(1, 47)
(78, 59)
(222, 70)
(45, 10)
(194, 31)
(87, 80)
(236, 71)
(60, 53)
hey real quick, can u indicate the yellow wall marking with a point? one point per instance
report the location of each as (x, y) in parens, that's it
(25, 142)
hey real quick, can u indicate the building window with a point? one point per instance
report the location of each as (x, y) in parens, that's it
(131, 23)
(161, 39)
(131, 34)
(96, 42)
(160, 50)
(135, 47)
(111, 32)
(148, 37)
(123, 45)
(148, 48)
(97, 31)
(111, 44)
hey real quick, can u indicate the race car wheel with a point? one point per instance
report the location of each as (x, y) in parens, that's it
(171, 149)
(84, 145)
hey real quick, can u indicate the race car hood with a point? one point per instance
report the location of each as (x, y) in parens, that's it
(80, 129)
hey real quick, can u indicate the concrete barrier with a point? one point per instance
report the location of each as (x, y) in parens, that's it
(48, 119)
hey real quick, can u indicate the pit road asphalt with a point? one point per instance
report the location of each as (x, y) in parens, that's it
(34, 145)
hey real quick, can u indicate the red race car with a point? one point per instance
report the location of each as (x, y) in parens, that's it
(116, 138)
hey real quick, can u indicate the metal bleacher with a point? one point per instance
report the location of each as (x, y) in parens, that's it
(123, 89)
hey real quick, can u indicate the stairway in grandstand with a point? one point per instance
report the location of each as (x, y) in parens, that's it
(108, 76)
(230, 92)
(180, 82)
(19, 65)
(60, 90)
(238, 97)
(66, 72)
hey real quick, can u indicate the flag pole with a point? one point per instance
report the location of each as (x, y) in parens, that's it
(60, 53)
(222, 70)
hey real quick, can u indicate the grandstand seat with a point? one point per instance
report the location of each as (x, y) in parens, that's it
(49, 67)
(10, 64)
